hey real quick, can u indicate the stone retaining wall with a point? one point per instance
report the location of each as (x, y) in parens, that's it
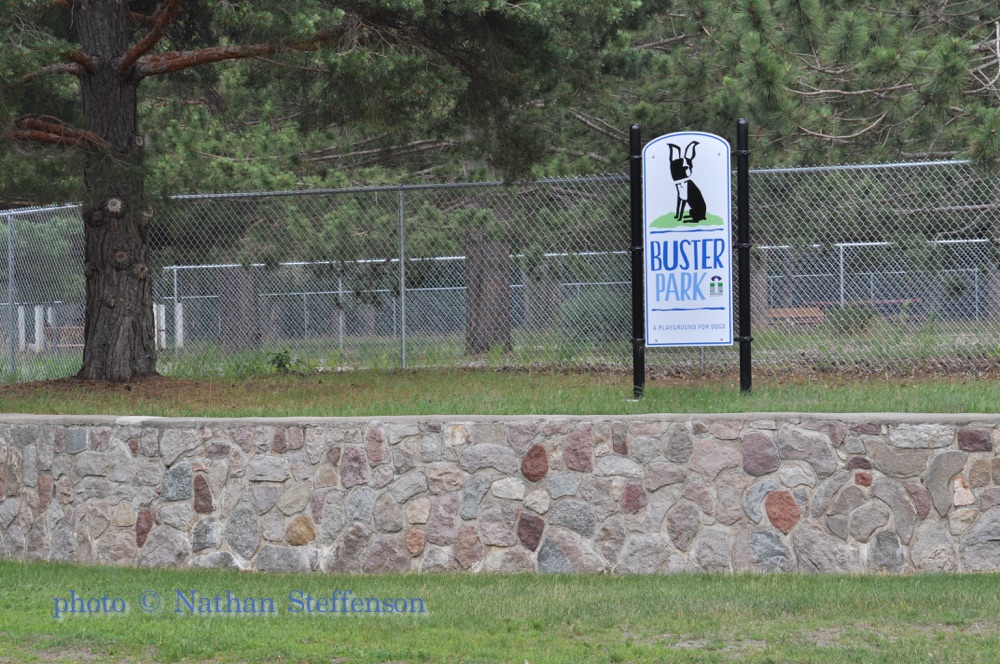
(768, 492)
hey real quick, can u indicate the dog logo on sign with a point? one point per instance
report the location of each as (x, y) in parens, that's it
(688, 194)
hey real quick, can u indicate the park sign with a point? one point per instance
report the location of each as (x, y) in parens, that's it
(687, 224)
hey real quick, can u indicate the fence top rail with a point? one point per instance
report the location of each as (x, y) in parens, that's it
(14, 212)
(607, 178)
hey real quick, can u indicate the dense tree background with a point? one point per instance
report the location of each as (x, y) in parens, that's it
(260, 95)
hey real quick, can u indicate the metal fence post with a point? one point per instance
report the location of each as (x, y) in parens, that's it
(10, 292)
(402, 281)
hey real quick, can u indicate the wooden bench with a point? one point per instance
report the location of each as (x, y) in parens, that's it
(70, 336)
(794, 316)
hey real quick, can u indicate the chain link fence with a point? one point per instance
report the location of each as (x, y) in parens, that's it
(866, 268)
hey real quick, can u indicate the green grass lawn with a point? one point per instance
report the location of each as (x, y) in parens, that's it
(527, 618)
(467, 392)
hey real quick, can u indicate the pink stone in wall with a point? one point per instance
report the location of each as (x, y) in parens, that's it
(633, 499)
(782, 510)
(921, 499)
(863, 479)
(578, 453)
(415, 541)
(529, 530)
(468, 547)
(535, 464)
(143, 524)
(963, 495)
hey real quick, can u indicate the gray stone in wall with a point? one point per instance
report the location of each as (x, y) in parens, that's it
(573, 514)
(897, 463)
(386, 556)
(431, 448)
(242, 531)
(407, 486)
(596, 491)
(712, 549)
(711, 457)
(894, 495)
(91, 464)
(175, 442)
(496, 524)
(8, 510)
(92, 487)
(583, 556)
(177, 515)
(63, 547)
(613, 465)
(796, 473)
(563, 484)
(510, 560)
(817, 551)
(837, 523)
(77, 440)
(551, 559)
(942, 468)
(439, 559)
(206, 534)
(488, 455)
(886, 554)
(29, 460)
(867, 519)
(730, 487)
(280, 559)
(348, 553)
(682, 523)
(267, 468)
(217, 560)
(13, 543)
(165, 547)
(921, 436)
(760, 454)
(770, 553)
(122, 464)
(660, 474)
(753, 498)
(264, 496)
(472, 494)
(386, 514)
(360, 504)
(980, 547)
(933, 549)
(643, 554)
(812, 447)
(678, 442)
(442, 527)
(611, 539)
(851, 498)
(178, 483)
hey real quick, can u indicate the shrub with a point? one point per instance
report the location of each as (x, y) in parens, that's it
(598, 316)
(852, 318)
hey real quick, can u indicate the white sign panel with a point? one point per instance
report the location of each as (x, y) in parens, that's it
(687, 224)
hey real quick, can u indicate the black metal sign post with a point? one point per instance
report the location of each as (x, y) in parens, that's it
(743, 253)
(638, 269)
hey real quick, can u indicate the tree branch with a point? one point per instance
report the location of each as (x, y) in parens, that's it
(59, 68)
(848, 136)
(46, 131)
(38, 137)
(164, 16)
(166, 63)
(85, 60)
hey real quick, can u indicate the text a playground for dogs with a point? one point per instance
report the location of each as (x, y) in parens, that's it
(688, 240)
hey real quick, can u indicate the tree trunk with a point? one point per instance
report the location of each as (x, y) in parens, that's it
(543, 297)
(119, 340)
(487, 279)
(239, 308)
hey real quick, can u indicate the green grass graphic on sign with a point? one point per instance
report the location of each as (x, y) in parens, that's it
(670, 221)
